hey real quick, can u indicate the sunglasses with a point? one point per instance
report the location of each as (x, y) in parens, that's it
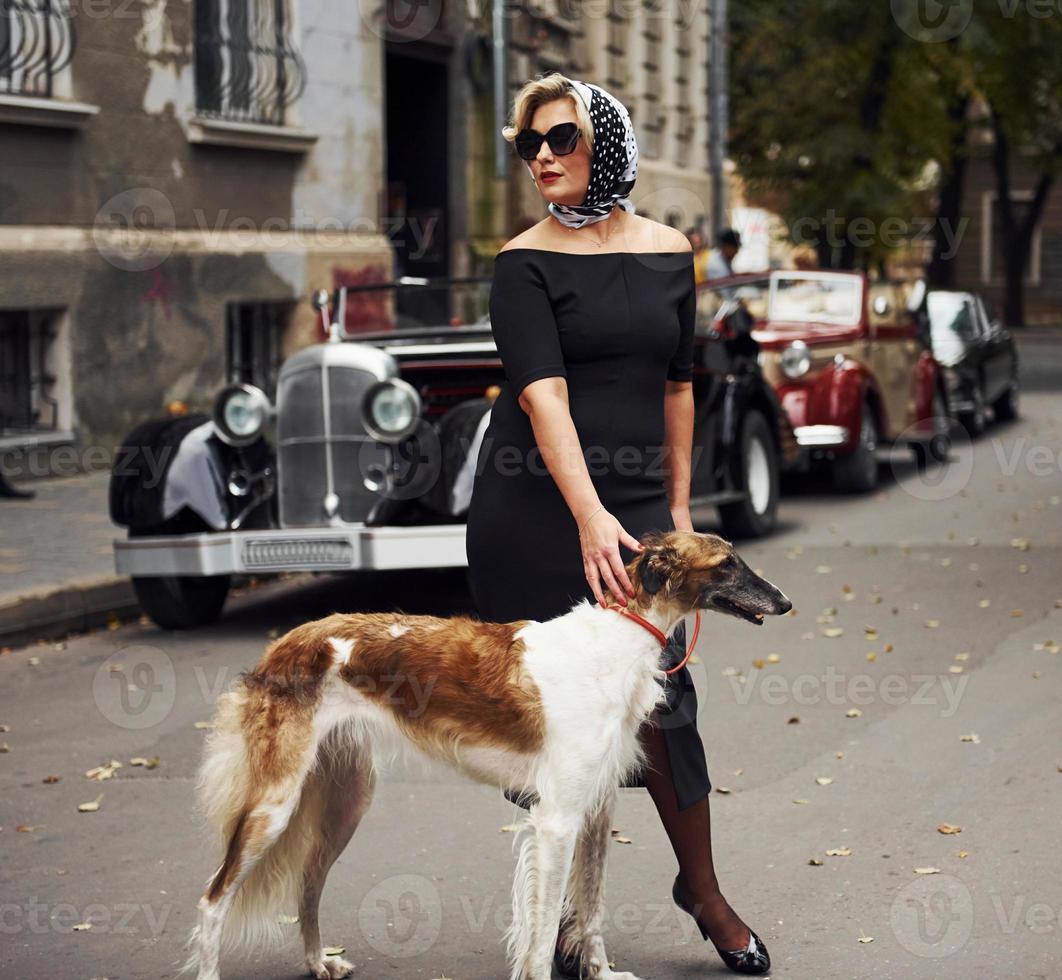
(561, 138)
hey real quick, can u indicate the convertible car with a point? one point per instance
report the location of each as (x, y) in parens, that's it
(365, 457)
(847, 361)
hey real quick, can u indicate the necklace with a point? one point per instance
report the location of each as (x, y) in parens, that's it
(601, 243)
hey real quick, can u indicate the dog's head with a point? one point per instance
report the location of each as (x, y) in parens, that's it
(702, 571)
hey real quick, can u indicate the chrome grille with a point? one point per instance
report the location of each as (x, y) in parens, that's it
(322, 445)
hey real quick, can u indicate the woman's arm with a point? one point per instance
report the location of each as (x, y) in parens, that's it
(678, 443)
(546, 403)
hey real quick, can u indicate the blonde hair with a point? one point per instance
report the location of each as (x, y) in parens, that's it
(540, 90)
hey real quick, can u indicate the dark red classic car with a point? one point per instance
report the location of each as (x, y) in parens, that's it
(846, 360)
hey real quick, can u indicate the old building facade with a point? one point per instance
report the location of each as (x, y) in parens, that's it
(178, 176)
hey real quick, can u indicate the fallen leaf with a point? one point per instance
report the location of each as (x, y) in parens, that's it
(759, 663)
(1017, 613)
(509, 828)
(815, 862)
(793, 721)
(49, 780)
(962, 656)
(82, 927)
(866, 939)
(1022, 544)
(839, 852)
(823, 569)
(888, 648)
(722, 789)
(91, 807)
(972, 737)
(287, 920)
(823, 780)
(620, 839)
(853, 713)
(927, 871)
(949, 828)
(932, 624)
(872, 656)
(985, 603)
(963, 854)
(800, 802)
(33, 661)
(204, 724)
(27, 828)
(334, 950)
(151, 763)
(773, 658)
(833, 632)
(954, 669)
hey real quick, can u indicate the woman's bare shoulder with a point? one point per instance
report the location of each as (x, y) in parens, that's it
(532, 237)
(664, 237)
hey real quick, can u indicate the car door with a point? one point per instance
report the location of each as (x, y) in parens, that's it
(996, 365)
(893, 352)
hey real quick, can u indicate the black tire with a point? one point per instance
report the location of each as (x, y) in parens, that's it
(181, 602)
(857, 471)
(1005, 406)
(974, 421)
(756, 514)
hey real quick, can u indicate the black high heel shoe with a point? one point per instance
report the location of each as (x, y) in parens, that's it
(753, 959)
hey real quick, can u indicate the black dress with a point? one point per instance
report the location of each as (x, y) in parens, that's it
(615, 325)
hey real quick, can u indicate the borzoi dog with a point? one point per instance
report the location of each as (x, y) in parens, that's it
(550, 708)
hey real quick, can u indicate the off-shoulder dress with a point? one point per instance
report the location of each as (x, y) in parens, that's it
(615, 325)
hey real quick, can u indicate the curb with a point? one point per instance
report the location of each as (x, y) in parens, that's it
(52, 614)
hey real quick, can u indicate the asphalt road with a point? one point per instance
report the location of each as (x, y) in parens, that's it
(920, 674)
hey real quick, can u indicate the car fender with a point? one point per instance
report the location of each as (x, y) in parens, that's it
(925, 379)
(834, 396)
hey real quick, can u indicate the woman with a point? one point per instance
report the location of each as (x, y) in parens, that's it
(592, 311)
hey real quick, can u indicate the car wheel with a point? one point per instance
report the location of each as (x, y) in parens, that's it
(857, 472)
(1006, 406)
(181, 602)
(974, 420)
(757, 476)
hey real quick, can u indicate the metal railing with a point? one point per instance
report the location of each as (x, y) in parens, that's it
(247, 66)
(37, 40)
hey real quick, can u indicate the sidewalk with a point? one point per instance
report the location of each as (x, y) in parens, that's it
(57, 563)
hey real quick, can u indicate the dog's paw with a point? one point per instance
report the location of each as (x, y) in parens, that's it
(330, 968)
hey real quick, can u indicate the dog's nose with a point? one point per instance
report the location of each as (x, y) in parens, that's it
(785, 605)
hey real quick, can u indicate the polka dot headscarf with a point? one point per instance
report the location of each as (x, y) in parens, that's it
(614, 162)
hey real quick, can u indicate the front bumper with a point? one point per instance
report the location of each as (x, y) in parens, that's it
(821, 435)
(352, 547)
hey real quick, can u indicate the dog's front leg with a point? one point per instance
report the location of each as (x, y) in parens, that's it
(587, 889)
(552, 849)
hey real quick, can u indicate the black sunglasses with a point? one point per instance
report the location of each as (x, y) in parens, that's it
(561, 138)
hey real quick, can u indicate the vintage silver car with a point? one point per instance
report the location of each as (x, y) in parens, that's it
(364, 457)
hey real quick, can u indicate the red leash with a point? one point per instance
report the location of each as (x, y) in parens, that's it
(660, 636)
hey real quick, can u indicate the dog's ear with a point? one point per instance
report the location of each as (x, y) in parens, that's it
(658, 565)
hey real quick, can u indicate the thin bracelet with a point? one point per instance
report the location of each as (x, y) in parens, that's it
(587, 521)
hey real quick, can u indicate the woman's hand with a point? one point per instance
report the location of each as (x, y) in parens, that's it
(600, 538)
(681, 518)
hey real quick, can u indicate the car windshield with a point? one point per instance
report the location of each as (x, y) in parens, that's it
(815, 299)
(411, 304)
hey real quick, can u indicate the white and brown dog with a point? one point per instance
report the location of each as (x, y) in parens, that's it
(549, 708)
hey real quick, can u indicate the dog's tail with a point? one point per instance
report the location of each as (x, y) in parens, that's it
(255, 787)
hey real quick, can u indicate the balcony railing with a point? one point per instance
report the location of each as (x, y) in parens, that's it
(247, 66)
(37, 41)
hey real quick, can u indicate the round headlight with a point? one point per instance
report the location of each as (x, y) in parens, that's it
(391, 410)
(240, 413)
(796, 360)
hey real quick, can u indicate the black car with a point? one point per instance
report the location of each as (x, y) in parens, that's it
(364, 458)
(977, 356)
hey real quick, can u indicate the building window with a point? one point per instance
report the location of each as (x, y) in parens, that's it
(37, 41)
(254, 334)
(28, 372)
(992, 238)
(247, 66)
